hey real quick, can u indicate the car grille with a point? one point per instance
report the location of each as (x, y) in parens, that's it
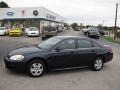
(14, 32)
(33, 33)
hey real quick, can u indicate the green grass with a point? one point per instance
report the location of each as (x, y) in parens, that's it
(111, 39)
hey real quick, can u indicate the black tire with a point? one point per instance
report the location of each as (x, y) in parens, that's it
(87, 34)
(97, 37)
(43, 38)
(100, 65)
(39, 73)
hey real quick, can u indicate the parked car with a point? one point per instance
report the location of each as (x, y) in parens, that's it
(85, 31)
(59, 29)
(76, 29)
(101, 31)
(2, 31)
(58, 53)
(33, 31)
(26, 30)
(49, 31)
(93, 33)
(15, 32)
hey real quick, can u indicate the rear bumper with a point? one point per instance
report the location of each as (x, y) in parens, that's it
(108, 57)
(94, 35)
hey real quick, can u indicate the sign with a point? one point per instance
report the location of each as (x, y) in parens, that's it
(49, 16)
(10, 13)
(35, 12)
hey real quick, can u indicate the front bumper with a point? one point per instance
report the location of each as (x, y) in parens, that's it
(33, 34)
(2, 33)
(15, 34)
(91, 34)
(14, 64)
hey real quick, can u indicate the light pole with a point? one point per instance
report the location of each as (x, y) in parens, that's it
(115, 28)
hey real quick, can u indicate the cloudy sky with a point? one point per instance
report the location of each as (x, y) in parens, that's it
(92, 12)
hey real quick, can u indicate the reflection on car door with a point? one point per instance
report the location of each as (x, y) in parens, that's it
(85, 52)
(65, 57)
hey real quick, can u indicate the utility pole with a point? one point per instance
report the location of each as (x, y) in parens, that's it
(115, 28)
(102, 24)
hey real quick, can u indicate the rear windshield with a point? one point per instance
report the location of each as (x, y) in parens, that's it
(2, 28)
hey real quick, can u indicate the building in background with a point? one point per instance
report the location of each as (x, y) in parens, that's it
(27, 17)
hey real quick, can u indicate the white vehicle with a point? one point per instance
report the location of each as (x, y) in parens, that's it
(33, 31)
(2, 31)
(26, 30)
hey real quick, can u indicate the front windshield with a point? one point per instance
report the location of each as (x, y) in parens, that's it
(49, 43)
(33, 29)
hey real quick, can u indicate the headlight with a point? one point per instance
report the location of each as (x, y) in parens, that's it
(17, 57)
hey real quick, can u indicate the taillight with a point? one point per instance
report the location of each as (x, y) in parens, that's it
(109, 49)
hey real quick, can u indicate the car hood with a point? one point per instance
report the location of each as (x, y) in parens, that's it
(2, 30)
(26, 50)
(15, 31)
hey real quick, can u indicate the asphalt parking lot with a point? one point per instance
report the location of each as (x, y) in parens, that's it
(83, 79)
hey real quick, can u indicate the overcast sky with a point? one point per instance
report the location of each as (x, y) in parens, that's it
(92, 12)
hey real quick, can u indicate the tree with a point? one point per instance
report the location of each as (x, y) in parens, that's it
(87, 26)
(105, 28)
(3, 5)
(74, 26)
(81, 26)
(100, 26)
(66, 25)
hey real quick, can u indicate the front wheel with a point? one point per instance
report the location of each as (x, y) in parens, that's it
(98, 64)
(36, 68)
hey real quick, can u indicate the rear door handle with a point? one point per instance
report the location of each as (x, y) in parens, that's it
(72, 52)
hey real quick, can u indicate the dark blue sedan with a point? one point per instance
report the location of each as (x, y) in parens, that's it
(58, 53)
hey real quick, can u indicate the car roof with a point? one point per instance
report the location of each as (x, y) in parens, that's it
(77, 37)
(67, 37)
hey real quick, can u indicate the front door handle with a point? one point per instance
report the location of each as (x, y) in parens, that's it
(93, 50)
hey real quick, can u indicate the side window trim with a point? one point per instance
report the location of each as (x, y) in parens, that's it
(95, 46)
(63, 41)
(84, 48)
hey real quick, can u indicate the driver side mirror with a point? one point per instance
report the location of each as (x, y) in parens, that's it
(58, 49)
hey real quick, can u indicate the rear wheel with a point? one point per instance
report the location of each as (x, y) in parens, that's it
(43, 38)
(97, 37)
(36, 68)
(98, 64)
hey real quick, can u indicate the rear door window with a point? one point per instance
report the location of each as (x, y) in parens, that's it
(83, 43)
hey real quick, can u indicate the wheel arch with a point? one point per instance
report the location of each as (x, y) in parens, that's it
(38, 58)
(101, 56)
